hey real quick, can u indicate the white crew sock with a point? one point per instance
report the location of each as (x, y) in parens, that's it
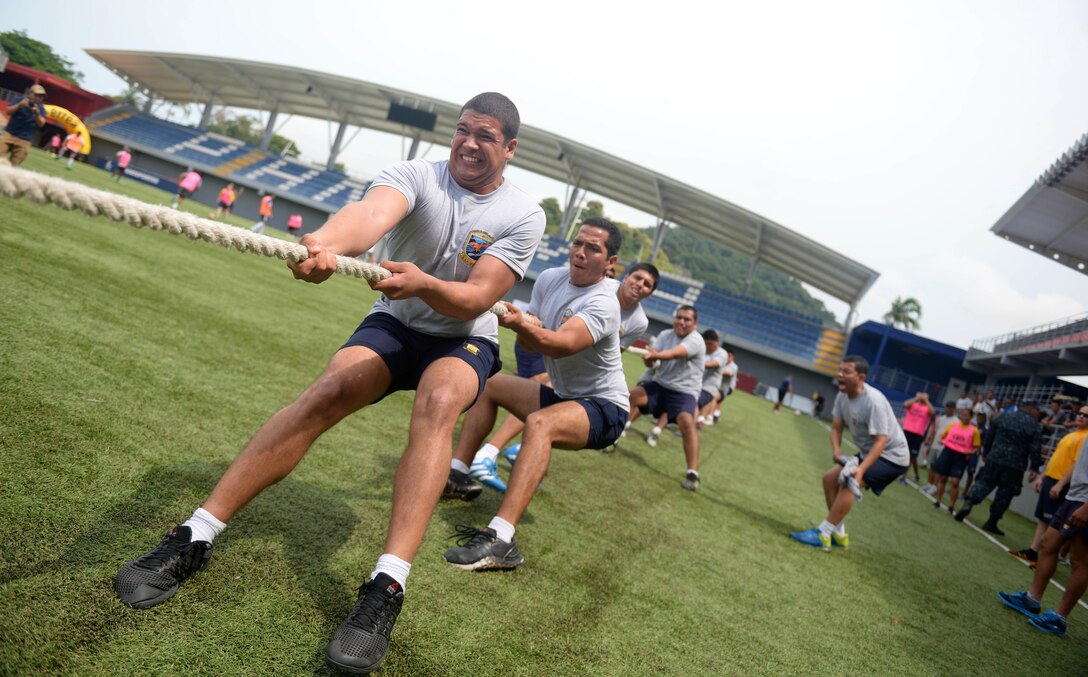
(840, 529)
(655, 431)
(204, 525)
(391, 565)
(489, 451)
(458, 464)
(701, 419)
(627, 425)
(826, 528)
(504, 531)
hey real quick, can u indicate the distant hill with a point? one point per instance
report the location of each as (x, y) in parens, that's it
(702, 259)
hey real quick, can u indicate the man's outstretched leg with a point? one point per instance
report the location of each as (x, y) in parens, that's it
(355, 377)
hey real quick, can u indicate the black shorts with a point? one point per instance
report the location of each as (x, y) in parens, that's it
(951, 464)
(223, 205)
(1047, 507)
(661, 400)
(914, 442)
(782, 392)
(881, 474)
(120, 171)
(705, 398)
(530, 364)
(182, 192)
(1061, 521)
(606, 420)
(408, 352)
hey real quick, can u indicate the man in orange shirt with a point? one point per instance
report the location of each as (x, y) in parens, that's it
(1063, 458)
(265, 214)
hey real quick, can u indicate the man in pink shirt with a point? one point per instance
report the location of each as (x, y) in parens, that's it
(188, 182)
(124, 157)
(918, 413)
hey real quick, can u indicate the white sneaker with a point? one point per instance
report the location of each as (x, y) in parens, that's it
(651, 438)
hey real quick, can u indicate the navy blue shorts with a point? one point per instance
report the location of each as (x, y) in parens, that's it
(951, 464)
(606, 420)
(182, 192)
(1047, 507)
(882, 473)
(705, 398)
(1061, 521)
(530, 364)
(661, 400)
(914, 442)
(408, 352)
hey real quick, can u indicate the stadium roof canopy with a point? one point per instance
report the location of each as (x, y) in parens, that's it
(1051, 218)
(185, 78)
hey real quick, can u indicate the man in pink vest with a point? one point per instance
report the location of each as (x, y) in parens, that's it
(188, 183)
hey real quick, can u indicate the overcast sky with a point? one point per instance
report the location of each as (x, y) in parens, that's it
(896, 133)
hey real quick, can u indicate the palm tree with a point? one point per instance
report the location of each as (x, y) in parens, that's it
(905, 313)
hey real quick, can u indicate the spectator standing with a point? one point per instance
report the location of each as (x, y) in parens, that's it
(73, 147)
(1014, 442)
(784, 388)
(225, 202)
(54, 146)
(965, 401)
(124, 157)
(25, 115)
(188, 183)
(918, 413)
(961, 442)
(1069, 527)
(294, 224)
(264, 214)
(1064, 457)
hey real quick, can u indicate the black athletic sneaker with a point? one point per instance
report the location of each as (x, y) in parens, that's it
(480, 549)
(691, 481)
(154, 577)
(991, 526)
(461, 485)
(362, 640)
(964, 511)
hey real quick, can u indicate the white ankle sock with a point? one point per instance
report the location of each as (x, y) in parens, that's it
(826, 528)
(458, 464)
(489, 451)
(204, 525)
(840, 530)
(655, 430)
(504, 531)
(391, 565)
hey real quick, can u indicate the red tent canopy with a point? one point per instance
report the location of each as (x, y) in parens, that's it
(59, 91)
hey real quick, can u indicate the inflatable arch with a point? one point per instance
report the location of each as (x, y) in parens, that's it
(72, 124)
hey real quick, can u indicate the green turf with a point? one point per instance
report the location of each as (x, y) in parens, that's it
(136, 364)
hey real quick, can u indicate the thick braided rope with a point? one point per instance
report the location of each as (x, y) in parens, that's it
(42, 189)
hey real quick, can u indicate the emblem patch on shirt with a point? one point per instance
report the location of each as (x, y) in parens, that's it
(567, 314)
(477, 243)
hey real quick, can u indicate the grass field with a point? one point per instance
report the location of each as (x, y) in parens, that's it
(136, 365)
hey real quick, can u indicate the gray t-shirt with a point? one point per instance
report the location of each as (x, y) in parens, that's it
(712, 377)
(683, 375)
(633, 321)
(448, 228)
(869, 414)
(596, 371)
(1078, 483)
(731, 370)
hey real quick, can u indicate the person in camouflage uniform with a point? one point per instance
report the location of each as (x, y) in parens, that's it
(1014, 442)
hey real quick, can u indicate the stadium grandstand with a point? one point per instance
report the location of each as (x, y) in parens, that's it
(775, 339)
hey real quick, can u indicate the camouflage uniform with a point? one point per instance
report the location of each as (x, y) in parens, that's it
(1014, 440)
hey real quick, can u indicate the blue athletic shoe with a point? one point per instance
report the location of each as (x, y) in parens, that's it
(1021, 602)
(812, 537)
(511, 453)
(1049, 621)
(485, 471)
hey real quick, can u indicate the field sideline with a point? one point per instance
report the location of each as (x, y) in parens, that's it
(136, 365)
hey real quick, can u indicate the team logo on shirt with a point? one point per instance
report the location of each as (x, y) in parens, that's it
(567, 314)
(477, 243)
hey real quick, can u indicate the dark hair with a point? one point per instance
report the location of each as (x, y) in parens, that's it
(649, 268)
(615, 237)
(861, 365)
(499, 107)
(711, 335)
(695, 313)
